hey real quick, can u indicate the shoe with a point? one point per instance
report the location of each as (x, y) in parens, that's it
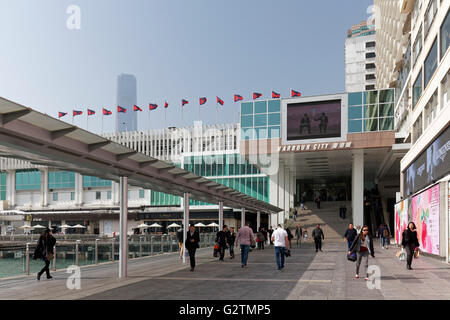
(192, 269)
(321, 250)
(38, 276)
(408, 267)
(317, 250)
(356, 276)
(49, 277)
(242, 266)
(367, 279)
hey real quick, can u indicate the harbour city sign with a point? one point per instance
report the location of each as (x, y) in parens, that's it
(316, 147)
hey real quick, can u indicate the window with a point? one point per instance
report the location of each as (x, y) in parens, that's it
(370, 66)
(370, 44)
(417, 47)
(445, 95)
(370, 87)
(28, 180)
(417, 89)
(89, 181)
(431, 110)
(108, 195)
(429, 15)
(98, 195)
(445, 35)
(247, 108)
(370, 76)
(3, 186)
(141, 194)
(430, 63)
(417, 129)
(370, 55)
(55, 196)
(72, 196)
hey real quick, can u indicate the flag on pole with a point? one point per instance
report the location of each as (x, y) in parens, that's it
(219, 101)
(90, 112)
(183, 102)
(136, 108)
(275, 95)
(106, 112)
(202, 100)
(237, 98)
(295, 93)
(120, 109)
(256, 95)
(77, 113)
(166, 105)
(61, 114)
(152, 106)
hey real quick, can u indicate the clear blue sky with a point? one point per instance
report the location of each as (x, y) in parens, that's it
(176, 49)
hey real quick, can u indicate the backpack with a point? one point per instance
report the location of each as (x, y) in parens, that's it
(385, 233)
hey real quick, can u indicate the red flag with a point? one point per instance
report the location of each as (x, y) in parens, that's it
(295, 93)
(136, 108)
(237, 98)
(256, 95)
(202, 100)
(120, 109)
(183, 102)
(275, 95)
(166, 105)
(61, 114)
(77, 113)
(106, 112)
(90, 112)
(219, 101)
(152, 106)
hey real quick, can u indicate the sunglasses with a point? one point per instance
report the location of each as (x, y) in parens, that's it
(365, 230)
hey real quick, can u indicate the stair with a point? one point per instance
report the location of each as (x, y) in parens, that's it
(327, 216)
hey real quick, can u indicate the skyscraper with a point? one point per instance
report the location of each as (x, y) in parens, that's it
(126, 98)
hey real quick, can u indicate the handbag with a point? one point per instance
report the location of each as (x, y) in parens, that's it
(416, 254)
(253, 244)
(49, 256)
(351, 256)
(216, 251)
(401, 255)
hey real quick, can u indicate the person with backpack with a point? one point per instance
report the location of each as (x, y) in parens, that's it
(44, 251)
(318, 236)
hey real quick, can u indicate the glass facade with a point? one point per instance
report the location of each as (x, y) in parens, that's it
(89, 182)
(445, 35)
(417, 89)
(61, 180)
(28, 180)
(163, 199)
(430, 63)
(371, 111)
(2, 185)
(261, 120)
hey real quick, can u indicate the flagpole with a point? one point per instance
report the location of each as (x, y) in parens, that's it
(102, 121)
(149, 125)
(87, 120)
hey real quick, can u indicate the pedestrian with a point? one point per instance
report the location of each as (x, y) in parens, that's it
(245, 238)
(270, 234)
(350, 235)
(302, 203)
(363, 246)
(299, 233)
(305, 234)
(318, 202)
(192, 240)
(410, 242)
(290, 236)
(385, 234)
(231, 240)
(264, 232)
(281, 241)
(260, 239)
(318, 236)
(44, 251)
(344, 211)
(180, 241)
(222, 240)
(295, 214)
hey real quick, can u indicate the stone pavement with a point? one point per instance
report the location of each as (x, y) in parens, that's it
(307, 275)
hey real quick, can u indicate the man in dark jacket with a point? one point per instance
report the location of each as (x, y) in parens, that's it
(222, 240)
(318, 236)
(192, 240)
(270, 235)
(44, 251)
(231, 239)
(299, 233)
(290, 236)
(350, 235)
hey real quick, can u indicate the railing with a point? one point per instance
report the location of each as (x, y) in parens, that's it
(19, 260)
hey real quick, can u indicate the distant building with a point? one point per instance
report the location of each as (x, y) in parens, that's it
(126, 98)
(360, 58)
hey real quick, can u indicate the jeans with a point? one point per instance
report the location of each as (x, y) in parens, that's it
(318, 242)
(384, 241)
(279, 251)
(192, 256)
(409, 254)
(46, 268)
(231, 249)
(299, 239)
(361, 255)
(349, 244)
(244, 253)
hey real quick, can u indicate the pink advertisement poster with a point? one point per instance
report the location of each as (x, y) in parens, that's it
(425, 214)
(401, 219)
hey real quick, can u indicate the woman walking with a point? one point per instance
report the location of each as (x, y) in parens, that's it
(363, 246)
(410, 243)
(44, 251)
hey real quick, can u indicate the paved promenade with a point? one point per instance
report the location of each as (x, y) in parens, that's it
(307, 275)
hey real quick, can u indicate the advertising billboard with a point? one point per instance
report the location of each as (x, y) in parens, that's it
(402, 210)
(425, 215)
(431, 165)
(313, 120)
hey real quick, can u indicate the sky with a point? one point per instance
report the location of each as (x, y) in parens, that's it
(177, 49)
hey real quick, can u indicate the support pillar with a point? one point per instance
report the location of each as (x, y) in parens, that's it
(78, 189)
(221, 215)
(123, 248)
(258, 220)
(358, 188)
(11, 188)
(185, 222)
(44, 187)
(242, 217)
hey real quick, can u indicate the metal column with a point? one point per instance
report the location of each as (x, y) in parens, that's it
(258, 220)
(185, 222)
(220, 215)
(242, 217)
(123, 247)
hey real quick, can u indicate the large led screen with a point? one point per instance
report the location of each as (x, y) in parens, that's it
(313, 120)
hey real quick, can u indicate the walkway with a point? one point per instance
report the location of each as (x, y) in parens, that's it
(307, 275)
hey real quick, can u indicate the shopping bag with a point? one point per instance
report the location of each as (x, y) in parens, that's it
(401, 255)
(416, 254)
(351, 256)
(216, 251)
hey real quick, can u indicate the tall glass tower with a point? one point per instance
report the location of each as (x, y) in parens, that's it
(126, 98)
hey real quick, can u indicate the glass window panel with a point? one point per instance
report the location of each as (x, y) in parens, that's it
(371, 111)
(247, 121)
(274, 119)
(387, 110)
(430, 63)
(370, 97)
(254, 187)
(386, 96)
(242, 185)
(261, 133)
(274, 132)
(141, 194)
(370, 125)
(55, 196)
(445, 35)
(249, 186)
(354, 126)
(355, 112)
(261, 107)
(247, 108)
(387, 123)
(72, 196)
(247, 134)
(355, 98)
(274, 106)
(417, 89)
(260, 120)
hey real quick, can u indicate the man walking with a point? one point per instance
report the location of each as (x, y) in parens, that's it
(299, 234)
(318, 236)
(270, 234)
(245, 237)
(350, 235)
(231, 239)
(281, 241)
(222, 240)
(192, 240)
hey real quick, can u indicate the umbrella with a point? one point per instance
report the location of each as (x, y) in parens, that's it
(142, 225)
(199, 225)
(38, 226)
(155, 225)
(25, 227)
(174, 225)
(79, 226)
(212, 225)
(66, 226)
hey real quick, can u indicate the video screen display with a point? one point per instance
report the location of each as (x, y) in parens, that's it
(313, 120)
